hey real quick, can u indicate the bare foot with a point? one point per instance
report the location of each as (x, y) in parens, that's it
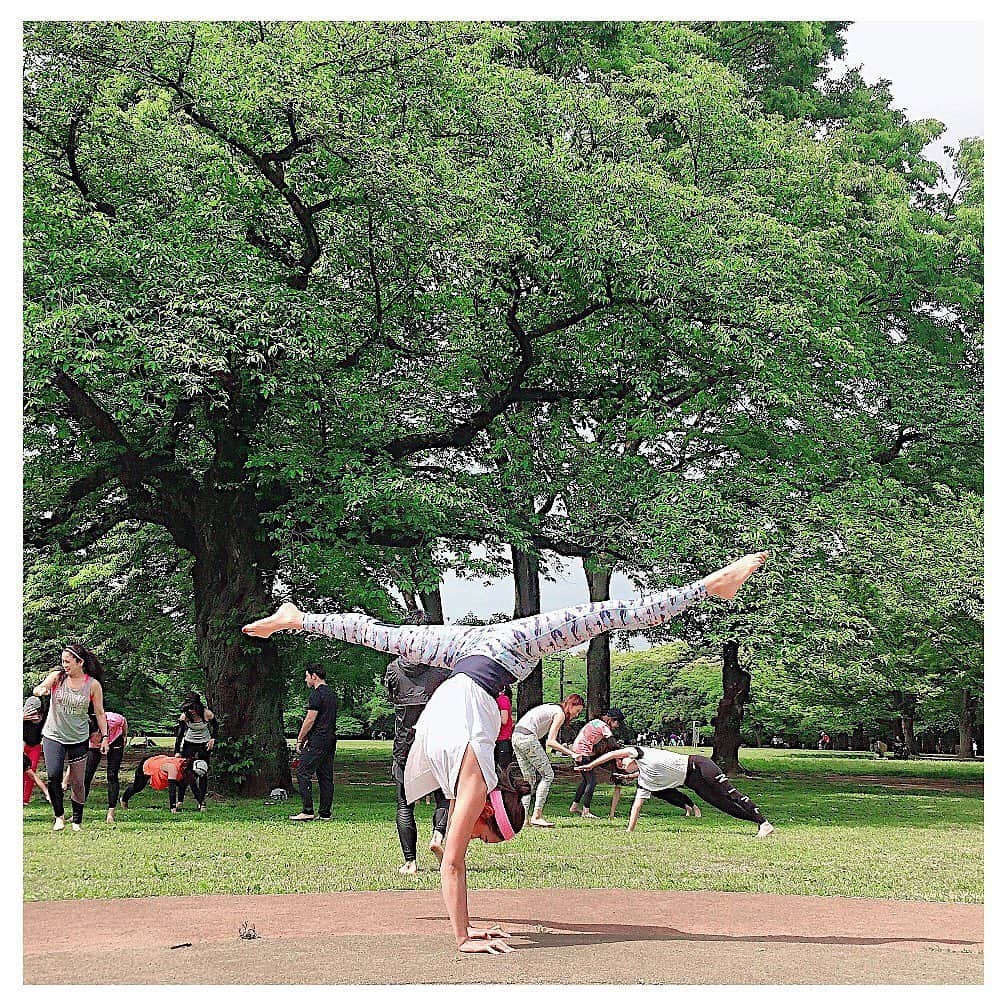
(436, 847)
(764, 830)
(586, 813)
(110, 816)
(696, 812)
(574, 808)
(540, 822)
(727, 581)
(287, 616)
(408, 868)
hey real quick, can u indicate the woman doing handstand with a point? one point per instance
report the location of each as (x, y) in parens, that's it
(457, 732)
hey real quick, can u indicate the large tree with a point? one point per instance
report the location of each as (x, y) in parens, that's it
(284, 281)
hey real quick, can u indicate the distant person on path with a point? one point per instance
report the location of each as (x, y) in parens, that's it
(117, 729)
(410, 687)
(543, 721)
(583, 749)
(316, 744)
(34, 713)
(662, 772)
(456, 734)
(195, 737)
(504, 742)
(72, 688)
(165, 772)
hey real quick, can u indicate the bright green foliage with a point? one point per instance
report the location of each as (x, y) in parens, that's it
(328, 302)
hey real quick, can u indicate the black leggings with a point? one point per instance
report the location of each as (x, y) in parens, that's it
(711, 783)
(405, 819)
(588, 780)
(675, 797)
(140, 780)
(202, 783)
(56, 754)
(112, 766)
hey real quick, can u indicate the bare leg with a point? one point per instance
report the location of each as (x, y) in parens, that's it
(287, 616)
(727, 581)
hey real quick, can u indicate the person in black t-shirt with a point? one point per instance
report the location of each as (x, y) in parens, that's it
(35, 711)
(316, 746)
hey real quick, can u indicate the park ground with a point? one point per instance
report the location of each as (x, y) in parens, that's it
(849, 827)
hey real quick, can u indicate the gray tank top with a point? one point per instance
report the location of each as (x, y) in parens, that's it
(197, 732)
(67, 719)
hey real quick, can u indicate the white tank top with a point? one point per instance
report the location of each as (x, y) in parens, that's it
(538, 720)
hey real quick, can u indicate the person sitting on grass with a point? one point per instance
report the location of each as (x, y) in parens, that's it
(662, 772)
(165, 772)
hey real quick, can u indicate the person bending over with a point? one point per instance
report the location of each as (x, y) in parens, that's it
(662, 772)
(117, 728)
(165, 772)
(195, 737)
(590, 735)
(543, 721)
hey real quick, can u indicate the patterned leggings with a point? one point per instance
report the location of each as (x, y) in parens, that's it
(533, 761)
(517, 645)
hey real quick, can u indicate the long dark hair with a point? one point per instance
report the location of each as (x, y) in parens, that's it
(512, 786)
(92, 665)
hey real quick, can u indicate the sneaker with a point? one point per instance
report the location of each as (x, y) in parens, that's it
(59, 824)
(75, 826)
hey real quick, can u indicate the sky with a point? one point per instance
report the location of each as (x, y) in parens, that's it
(936, 71)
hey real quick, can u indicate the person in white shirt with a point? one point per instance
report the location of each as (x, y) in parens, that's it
(543, 721)
(661, 773)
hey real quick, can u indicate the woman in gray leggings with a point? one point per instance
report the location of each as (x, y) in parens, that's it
(543, 721)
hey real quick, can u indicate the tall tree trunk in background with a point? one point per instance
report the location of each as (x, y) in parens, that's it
(527, 601)
(245, 685)
(907, 723)
(433, 605)
(730, 711)
(859, 742)
(969, 706)
(599, 650)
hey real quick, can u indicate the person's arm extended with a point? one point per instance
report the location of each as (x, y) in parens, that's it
(637, 806)
(98, 698)
(610, 756)
(45, 688)
(305, 727)
(553, 737)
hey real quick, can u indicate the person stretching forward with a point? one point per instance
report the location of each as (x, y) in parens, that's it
(662, 772)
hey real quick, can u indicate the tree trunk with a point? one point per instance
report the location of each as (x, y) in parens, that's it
(433, 605)
(859, 742)
(599, 650)
(969, 706)
(908, 734)
(730, 711)
(245, 684)
(527, 601)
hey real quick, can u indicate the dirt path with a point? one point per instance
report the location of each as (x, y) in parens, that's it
(623, 937)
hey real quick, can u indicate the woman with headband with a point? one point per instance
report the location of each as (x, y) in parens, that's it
(456, 734)
(73, 688)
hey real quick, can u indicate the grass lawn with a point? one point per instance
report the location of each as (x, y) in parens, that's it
(846, 825)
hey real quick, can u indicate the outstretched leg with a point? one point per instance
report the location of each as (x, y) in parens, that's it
(537, 635)
(707, 779)
(436, 645)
